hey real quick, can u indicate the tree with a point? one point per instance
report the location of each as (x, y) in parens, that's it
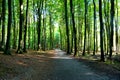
(94, 24)
(67, 28)
(14, 25)
(85, 16)
(116, 27)
(3, 22)
(101, 30)
(25, 27)
(111, 27)
(20, 43)
(74, 28)
(0, 12)
(44, 26)
(50, 28)
(7, 48)
(39, 24)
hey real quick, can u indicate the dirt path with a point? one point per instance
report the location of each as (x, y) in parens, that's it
(56, 67)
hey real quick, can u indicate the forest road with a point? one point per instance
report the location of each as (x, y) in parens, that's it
(60, 67)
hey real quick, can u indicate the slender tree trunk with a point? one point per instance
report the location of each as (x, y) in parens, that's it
(7, 48)
(44, 27)
(29, 33)
(43, 31)
(94, 25)
(116, 27)
(20, 43)
(108, 27)
(88, 48)
(67, 28)
(72, 39)
(39, 26)
(106, 37)
(51, 42)
(34, 26)
(85, 27)
(79, 28)
(61, 43)
(74, 28)
(14, 24)
(3, 21)
(101, 30)
(112, 27)
(25, 27)
(0, 16)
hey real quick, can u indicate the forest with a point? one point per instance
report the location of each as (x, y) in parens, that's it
(77, 27)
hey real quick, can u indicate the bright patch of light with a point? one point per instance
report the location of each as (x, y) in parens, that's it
(21, 7)
(118, 4)
(56, 25)
(61, 57)
(89, 73)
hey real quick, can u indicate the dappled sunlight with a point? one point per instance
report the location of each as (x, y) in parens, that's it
(60, 55)
(89, 73)
(21, 63)
(57, 57)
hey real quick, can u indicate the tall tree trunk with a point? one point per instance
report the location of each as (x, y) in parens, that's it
(94, 25)
(14, 24)
(74, 28)
(25, 27)
(29, 32)
(61, 43)
(20, 43)
(51, 41)
(111, 27)
(106, 36)
(85, 15)
(34, 26)
(39, 26)
(116, 27)
(44, 34)
(0, 15)
(101, 30)
(7, 48)
(3, 21)
(72, 38)
(79, 28)
(67, 28)
(108, 27)
(44, 27)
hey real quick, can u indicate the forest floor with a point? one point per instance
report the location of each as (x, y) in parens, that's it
(53, 65)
